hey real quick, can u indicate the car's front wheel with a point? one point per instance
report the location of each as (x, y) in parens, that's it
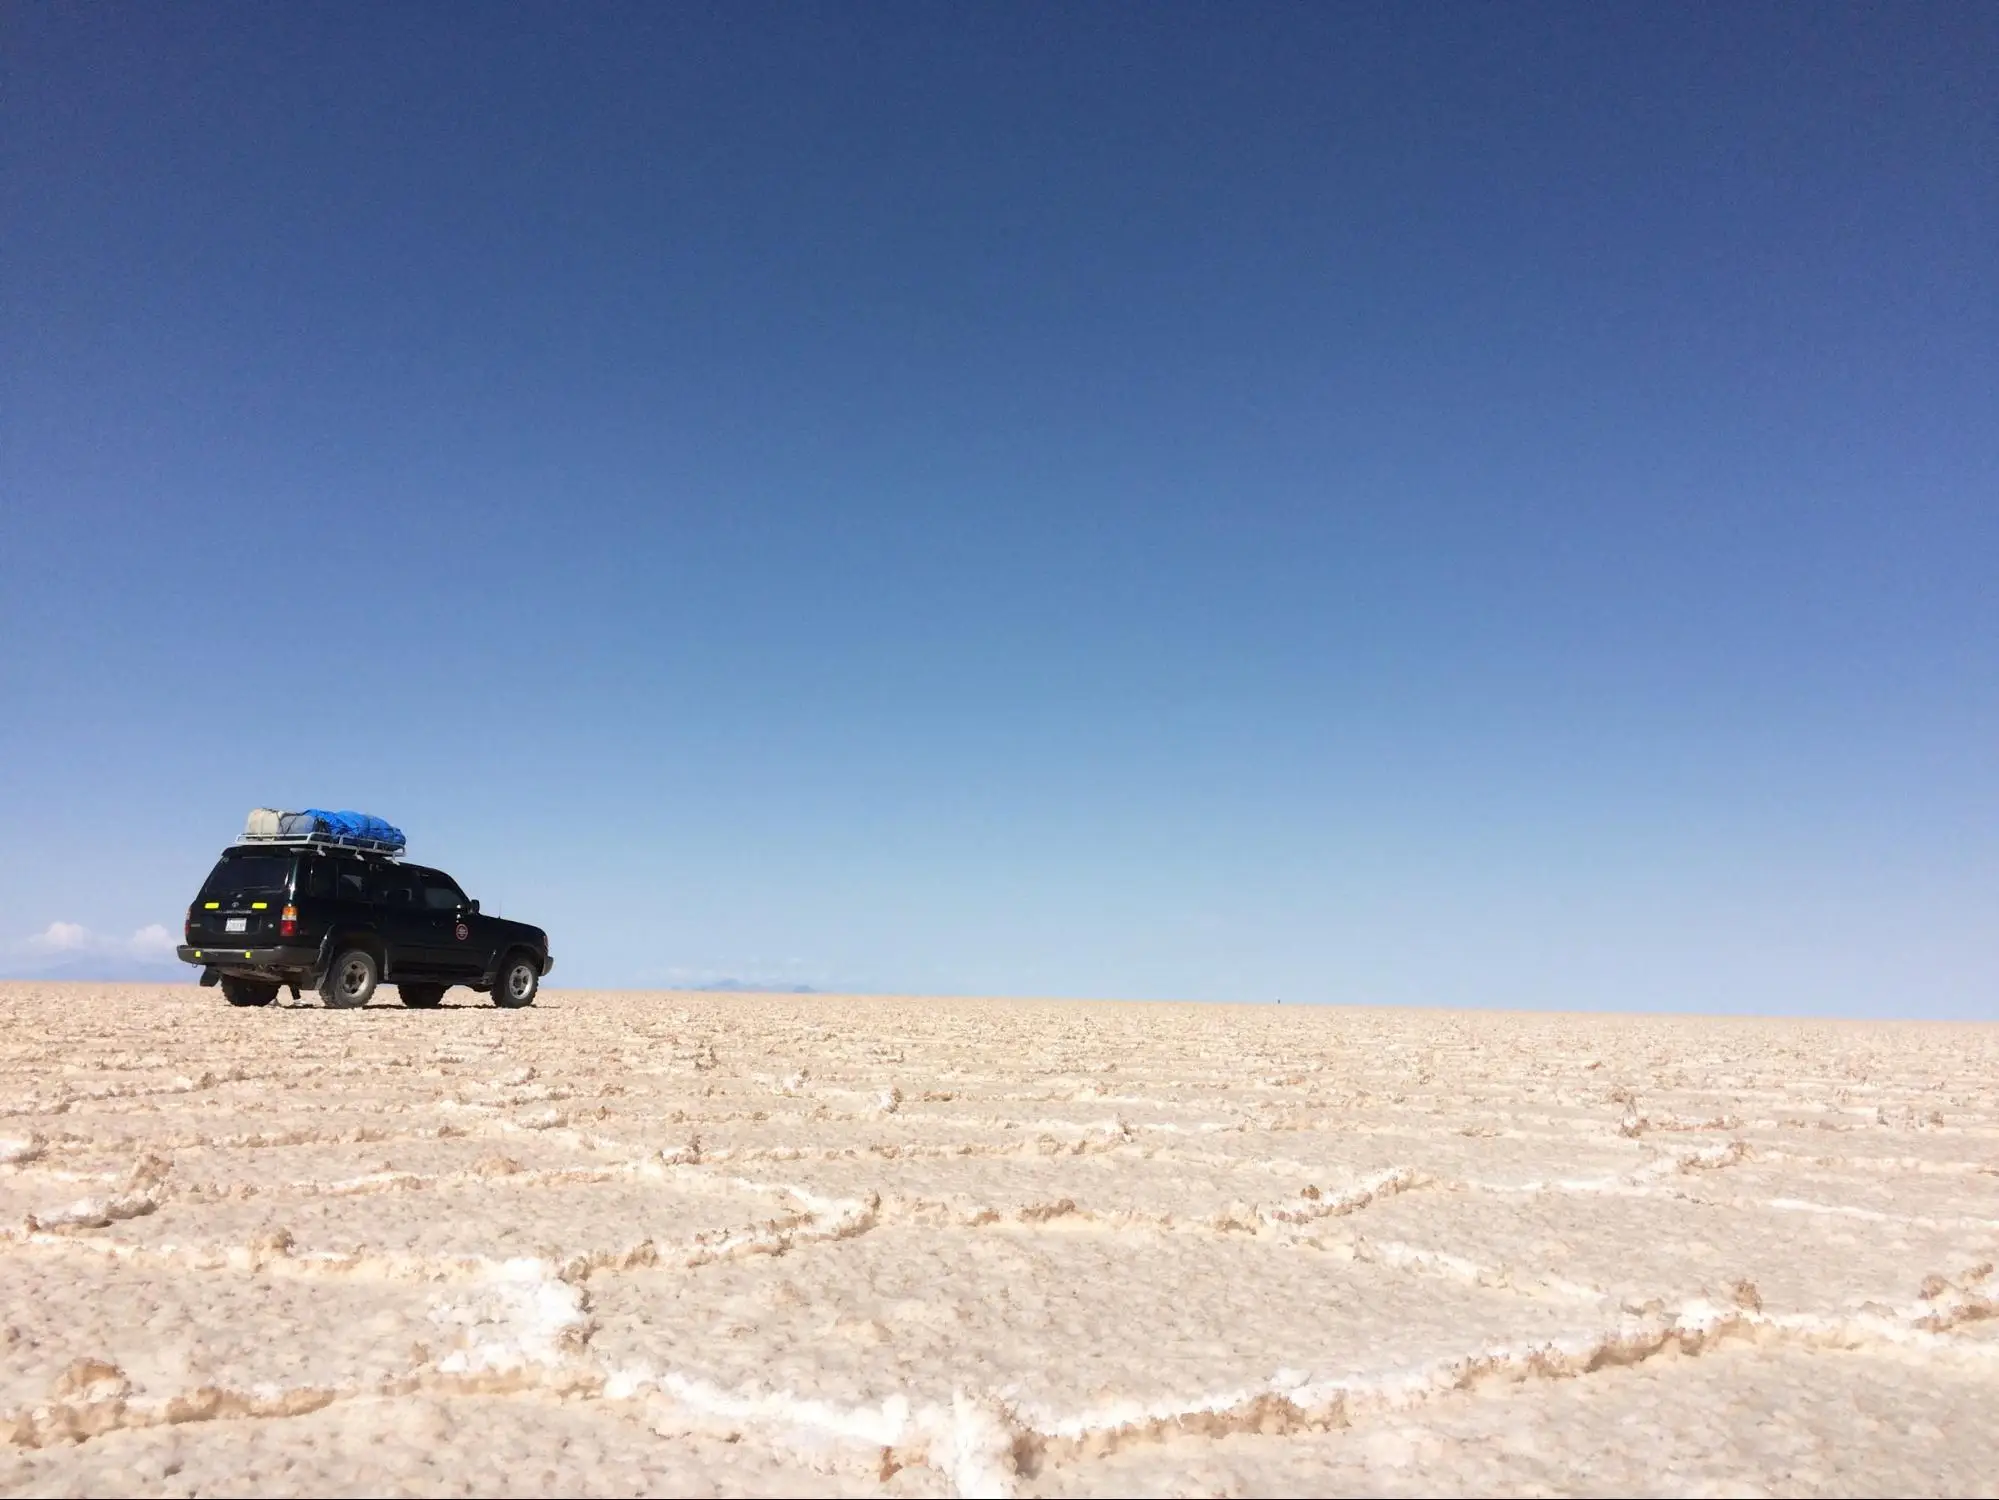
(421, 996)
(350, 979)
(518, 981)
(248, 991)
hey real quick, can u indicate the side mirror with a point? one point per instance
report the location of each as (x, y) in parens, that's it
(470, 908)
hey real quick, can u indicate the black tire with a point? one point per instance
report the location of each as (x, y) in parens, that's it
(421, 996)
(518, 981)
(248, 991)
(350, 980)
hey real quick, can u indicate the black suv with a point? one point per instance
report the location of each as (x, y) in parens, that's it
(342, 921)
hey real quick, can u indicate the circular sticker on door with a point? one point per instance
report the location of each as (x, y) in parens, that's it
(463, 932)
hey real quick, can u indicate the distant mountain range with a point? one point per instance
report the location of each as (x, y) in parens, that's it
(737, 987)
(104, 968)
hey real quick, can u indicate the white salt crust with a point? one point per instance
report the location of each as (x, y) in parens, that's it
(687, 1244)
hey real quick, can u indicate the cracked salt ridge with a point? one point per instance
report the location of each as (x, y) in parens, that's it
(709, 1154)
(1913, 1166)
(15, 1150)
(276, 1166)
(826, 1219)
(517, 1316)
(522, 1314)
(70, 1095)
(1875, 1215)
(771, 1236)
(698, 1185)
(971, 1441)
(1030, 1343)
(1747, 1416)
(1638, 1257)
(233, 1338)
(978, 1440)
(1422, 1261)
(398, 1181)
(94, 1213)
(424, 1443)
(916, 1128)
(660, 1213)
(75, 1422)
(1637, 1183)
(1441, 1152)
(1306, 1207)
(1935, 1200)
(376, 1183)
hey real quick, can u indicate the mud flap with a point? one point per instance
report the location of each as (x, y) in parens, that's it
(210, 977)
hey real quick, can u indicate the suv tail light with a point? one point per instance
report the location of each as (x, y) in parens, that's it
(288, 922)
(187, 926)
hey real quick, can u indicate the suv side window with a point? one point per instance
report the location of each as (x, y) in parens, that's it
(440, 891)
(396, 886)
(315, 877)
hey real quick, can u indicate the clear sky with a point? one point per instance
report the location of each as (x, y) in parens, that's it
(1485, 505)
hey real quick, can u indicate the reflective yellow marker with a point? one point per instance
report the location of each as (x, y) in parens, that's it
(211, 906)
(258, 905)
(197, 953)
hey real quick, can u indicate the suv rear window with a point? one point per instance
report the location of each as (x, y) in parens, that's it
(246, 873)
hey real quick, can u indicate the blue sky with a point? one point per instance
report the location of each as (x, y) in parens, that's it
(1467, 506)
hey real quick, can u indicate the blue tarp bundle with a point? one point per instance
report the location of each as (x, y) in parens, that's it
(352, 825)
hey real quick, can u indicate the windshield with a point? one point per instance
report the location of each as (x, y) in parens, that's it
(248, 872)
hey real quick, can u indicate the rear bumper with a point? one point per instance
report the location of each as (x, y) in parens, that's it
(285, 960)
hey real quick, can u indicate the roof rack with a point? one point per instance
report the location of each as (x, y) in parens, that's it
(320, 843)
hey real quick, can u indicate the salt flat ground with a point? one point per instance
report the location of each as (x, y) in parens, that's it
(665, 1243)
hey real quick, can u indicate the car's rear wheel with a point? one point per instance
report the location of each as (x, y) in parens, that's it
(248, 991)
(421, 996)
(350, 979)
(519, 980)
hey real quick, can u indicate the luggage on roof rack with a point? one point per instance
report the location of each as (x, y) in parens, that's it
(315, 826)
